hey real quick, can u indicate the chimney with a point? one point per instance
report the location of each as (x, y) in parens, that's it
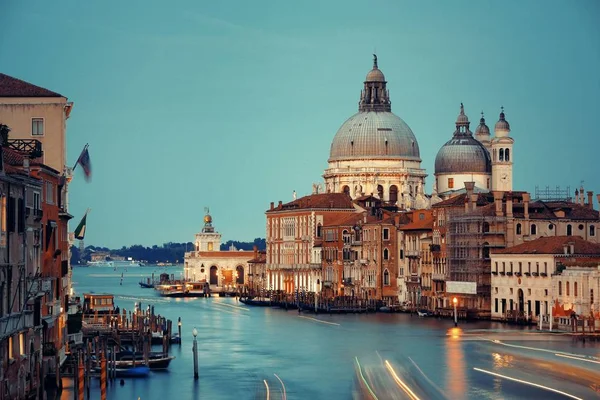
(509, 204)
(272, 205)
(590, 203)
(526, 199)
(498, 202)
(469, 186)
(572, 248)
(280, 204)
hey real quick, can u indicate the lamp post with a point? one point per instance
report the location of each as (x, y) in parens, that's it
(179, 330)
(455, 301)
(195, 352)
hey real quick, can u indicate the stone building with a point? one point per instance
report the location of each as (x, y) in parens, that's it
(223, 270)
(523, 276)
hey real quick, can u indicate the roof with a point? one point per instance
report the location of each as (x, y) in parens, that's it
(554, 245)
(417, 223)
(225, 254)
(459, 201)
(593, 262)
(13, 87)
(261, 258)
(343, 220)
(323, 201)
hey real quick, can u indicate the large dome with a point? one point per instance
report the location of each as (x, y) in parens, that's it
(374, 135)
(463, 154)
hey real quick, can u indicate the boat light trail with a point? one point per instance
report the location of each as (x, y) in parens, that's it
(267, 386)
(364, 380)
(232, 306)
(282, 385)
(318, 320)
(564, 354)
(576, 358)
(528, 383)
(402, 385)
(436, 387)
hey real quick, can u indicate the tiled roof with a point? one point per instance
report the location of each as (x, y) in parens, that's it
(323, 201)
(551, 210)
(13, 87)
(417, 223)
(554, 245)
(593, 262)
(344, 219)
(260, 259)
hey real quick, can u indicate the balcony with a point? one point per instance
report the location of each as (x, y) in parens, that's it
(16, 322)
(33, 147)
(412, 253)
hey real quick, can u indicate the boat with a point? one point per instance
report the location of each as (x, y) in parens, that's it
(100, 264)
(147, 285)
(423, 313)
(139, 371)
(156, 360)
(170, 289)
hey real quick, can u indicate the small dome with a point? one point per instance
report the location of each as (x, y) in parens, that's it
(463, 154)
(207, 219)
(482, 129)
(502, 127)
(375, 75)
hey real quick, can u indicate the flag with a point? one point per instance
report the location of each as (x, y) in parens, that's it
(80, 230)
(84, 161)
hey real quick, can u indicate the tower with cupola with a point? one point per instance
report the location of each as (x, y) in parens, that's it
(502, 156)
(208, 239)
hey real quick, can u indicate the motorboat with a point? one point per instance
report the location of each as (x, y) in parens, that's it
(101, 263)
(156, 360)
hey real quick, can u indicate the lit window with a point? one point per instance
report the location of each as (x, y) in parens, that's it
(37, 126)
(450, 183)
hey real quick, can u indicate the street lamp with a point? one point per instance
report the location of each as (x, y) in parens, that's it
(455, 301)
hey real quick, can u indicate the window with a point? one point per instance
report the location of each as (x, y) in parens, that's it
(49, 193)
(501, 155)
(507, 155)
(393, 193)
(402, 254)
(550, 226)
(592, 230)
(533, 229)
(568, 287)
(319, 233)
(11, 355)
(386, 278)
(386, 254)
(545, 292)
(487, 187)
(37, 126)
(21, 344)
(569, 230)
(575, 289)
(450, 183)
(496, 266)
(380, 192)
(386, 234)
(518, 229)
(520, 267)
(559, 288)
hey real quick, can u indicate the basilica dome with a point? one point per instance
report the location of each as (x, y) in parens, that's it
(463, 153)
(374, 135)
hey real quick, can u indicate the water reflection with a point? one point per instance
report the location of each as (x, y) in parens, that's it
(456, 366)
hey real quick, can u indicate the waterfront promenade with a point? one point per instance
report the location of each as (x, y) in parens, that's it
(243, 350)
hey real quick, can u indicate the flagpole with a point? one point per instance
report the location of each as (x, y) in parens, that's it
(79, 158)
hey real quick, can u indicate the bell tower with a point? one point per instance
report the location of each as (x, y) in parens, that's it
(502, 156)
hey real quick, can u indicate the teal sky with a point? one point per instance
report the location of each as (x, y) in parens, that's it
(233, 105)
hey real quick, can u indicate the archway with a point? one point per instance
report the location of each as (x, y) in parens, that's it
(239, 271)
(393, 193)
(346, 190)
(214, 277)
(380, 192)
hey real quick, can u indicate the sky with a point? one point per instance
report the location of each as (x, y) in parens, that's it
(234, 104)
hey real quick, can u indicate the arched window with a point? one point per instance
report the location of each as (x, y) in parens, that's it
(386, 277)
(501, 155)
(393, 193)
(346, 190)
(559, 288)
(575, 289)
(239, 275)
(507, 155)
(569, 230)
(518, 229)
(494, 154)
(592, 230)
(380, 192)
(568, 287)
(386, 254)
(486, 227)
(319, 229)
(533, 229)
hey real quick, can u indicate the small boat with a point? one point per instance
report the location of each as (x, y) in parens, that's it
(423, 313)
(155, 360)
(147, 285)
(140, 371)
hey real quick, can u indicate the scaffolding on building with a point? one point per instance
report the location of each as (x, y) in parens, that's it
(470, 238)
(553, 194)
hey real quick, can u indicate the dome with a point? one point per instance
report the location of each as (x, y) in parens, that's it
(207, 219)
(502, 127)
(463, 154)
(482, 129)
(374, 135)
(375, 75)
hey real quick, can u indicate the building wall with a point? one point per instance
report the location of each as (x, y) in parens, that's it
(482, 181)
(530, 275)
(17, 113)
(577, 288)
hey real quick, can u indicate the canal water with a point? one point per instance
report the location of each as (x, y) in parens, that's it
(269, 353)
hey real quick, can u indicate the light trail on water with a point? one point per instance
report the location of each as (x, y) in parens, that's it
(400, 383)
(282, 385)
